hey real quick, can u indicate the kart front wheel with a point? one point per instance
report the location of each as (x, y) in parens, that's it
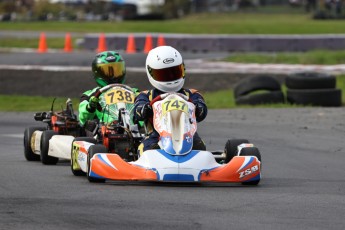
(28, 153)
(92, 151)
(251, 151)
(45, 158)
(231, 148)
(74, 155)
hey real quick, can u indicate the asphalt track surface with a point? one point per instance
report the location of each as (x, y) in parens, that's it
(302, 186)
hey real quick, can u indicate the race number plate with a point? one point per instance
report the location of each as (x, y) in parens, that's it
(174, 104)
(114, 96)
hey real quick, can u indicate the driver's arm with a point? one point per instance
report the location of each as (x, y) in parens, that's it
(200, 105)
(142, 104)
(85, 112)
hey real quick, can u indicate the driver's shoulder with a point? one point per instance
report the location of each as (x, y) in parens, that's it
(192, 91)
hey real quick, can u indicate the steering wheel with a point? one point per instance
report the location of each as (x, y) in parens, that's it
(163, 96)
(105, 88)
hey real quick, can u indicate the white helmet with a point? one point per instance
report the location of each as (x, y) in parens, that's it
(165, 69)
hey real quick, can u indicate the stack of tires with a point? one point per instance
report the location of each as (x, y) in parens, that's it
(314, 89)
(258, 90)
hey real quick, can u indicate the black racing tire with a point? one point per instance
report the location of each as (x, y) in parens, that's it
(251, 84)
(98, 148)
(310, 80)
(28, 153)
(230, 149)
(77, 172)
(251, 151)
(45, 158)
(273, 97)
(315, 97)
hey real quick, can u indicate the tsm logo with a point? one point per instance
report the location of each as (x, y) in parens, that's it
(248, 171)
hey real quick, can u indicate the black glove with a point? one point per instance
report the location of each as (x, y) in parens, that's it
(144, 112)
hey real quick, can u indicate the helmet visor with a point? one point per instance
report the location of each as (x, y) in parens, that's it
(111, 71)
(168, 74)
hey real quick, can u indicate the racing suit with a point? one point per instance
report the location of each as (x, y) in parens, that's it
(151, 141)
(86, 113)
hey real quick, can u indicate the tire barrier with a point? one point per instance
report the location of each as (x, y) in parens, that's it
(310, 80)
(314, 89)
(248, 85)
(245, 91)
(315, 97)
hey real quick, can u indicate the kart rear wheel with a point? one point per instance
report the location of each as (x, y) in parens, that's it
(251, 151)
(231, 148)
(78, 172)
(45, 158)
(92, 151)
(28, 153)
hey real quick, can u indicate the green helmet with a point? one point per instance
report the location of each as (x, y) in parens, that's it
(108, 67)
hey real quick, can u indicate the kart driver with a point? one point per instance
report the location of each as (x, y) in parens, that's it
(108, 67)
(166, 72)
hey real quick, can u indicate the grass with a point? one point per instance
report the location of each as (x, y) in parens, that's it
(20, 103)
(207, 23)
(316, 57)
(225, 100)
(215, 100)
(341, 85)
(54, 43)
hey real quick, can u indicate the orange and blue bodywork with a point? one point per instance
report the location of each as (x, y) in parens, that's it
(157, 165)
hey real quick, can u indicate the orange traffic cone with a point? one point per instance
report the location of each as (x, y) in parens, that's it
(148, 44)
(42, 44)
(131, 45)
(161, 41)
(102, 46)
(68, 43)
